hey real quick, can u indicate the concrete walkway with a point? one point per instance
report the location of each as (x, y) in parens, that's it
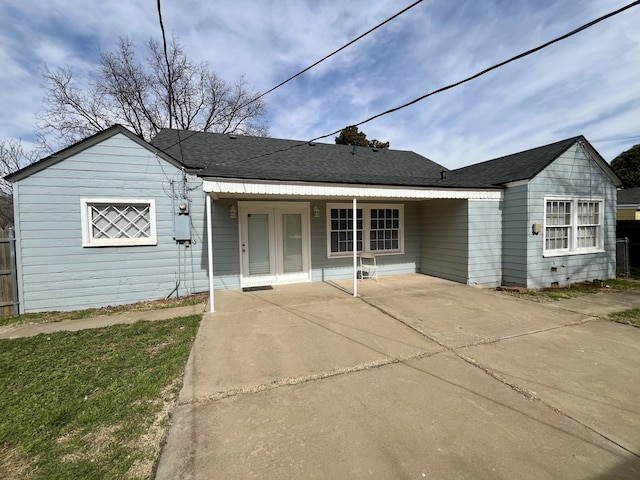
(418, 378)
(32, 329)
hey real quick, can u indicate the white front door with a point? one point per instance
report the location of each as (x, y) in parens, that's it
(274, 243)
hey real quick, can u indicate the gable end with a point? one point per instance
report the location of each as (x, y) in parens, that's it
(83, 145)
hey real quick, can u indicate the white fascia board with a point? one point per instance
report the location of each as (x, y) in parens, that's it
(517, 184)
(244, 187)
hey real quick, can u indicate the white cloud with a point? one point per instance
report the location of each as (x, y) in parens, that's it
(587, 84)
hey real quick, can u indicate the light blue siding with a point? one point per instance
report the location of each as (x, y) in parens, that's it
(515, 231)
(444, 246)
(469, 241)
(226, 245)
(485, 243)
(325, 268)
(226, 260)
(573, 174)
(57, 273)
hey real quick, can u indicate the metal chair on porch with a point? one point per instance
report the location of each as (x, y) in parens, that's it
(368, 266)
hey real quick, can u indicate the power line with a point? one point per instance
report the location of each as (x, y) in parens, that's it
(334, 52)
(259, 96)
(483, 72)
(614, 139)
(448, 87)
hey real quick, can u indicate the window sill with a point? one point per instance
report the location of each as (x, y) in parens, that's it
(377, 254)
(122, 243)
(569, 253)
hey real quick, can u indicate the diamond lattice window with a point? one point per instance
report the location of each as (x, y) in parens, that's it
(118, 222)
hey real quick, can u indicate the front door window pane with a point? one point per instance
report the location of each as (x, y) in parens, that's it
(292, 242)
(259, 260)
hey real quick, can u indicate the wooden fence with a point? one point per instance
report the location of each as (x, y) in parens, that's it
(7, 272)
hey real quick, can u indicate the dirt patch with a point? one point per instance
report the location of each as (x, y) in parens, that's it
(156, 304)
(150, 443)
(551, 294)
(12, 464)
(96, 444)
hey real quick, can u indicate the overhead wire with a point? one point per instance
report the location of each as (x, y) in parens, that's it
(458, 83)
(487, 70)
(442, 89)
(326, 57)
(614, 139)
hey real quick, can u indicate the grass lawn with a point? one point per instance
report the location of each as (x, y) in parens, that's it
(631, 317)
(48, 317)
(92, 404)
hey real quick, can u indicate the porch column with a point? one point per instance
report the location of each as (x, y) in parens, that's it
(355, 247)
(210, 253)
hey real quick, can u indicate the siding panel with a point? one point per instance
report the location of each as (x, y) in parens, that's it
(444, 243)
(57, 273)
(515, 225)
(485, 243)
(572, 174)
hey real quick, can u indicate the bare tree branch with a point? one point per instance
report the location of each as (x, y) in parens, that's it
(164, 89)
(13, 157)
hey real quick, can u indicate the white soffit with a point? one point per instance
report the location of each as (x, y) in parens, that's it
(243, 187)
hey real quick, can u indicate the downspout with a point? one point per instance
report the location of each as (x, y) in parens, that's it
(355, 247)
(210, 253)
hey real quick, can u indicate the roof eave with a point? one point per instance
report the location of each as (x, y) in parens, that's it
(243, 186)
(602, 163)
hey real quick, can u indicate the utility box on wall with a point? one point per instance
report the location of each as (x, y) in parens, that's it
(182, 228)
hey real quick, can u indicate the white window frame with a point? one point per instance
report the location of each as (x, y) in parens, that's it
(366, 224)
(574, 227)
(86, 221)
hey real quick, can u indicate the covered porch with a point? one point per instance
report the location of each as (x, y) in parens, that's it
(264, 233)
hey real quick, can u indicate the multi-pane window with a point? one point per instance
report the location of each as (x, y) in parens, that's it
(588, 224)
(385, 229)
(118, 222)
(573, 226)
(341, 230)
(383, 232)
(558, 225)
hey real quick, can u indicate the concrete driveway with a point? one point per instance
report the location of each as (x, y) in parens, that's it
(418, 378)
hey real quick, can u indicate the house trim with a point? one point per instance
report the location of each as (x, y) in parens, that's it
(573, 249)
(85, 144)
(240, 187)
(87, 222)
(366, 208)
(518, 183)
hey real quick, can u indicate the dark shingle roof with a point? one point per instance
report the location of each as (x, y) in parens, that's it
(262, 158)
(629, 196)
(514, 167)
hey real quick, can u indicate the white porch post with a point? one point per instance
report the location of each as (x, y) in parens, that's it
(355, 247)
(210, 253)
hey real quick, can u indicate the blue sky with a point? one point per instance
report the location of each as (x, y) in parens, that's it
(588, 84)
